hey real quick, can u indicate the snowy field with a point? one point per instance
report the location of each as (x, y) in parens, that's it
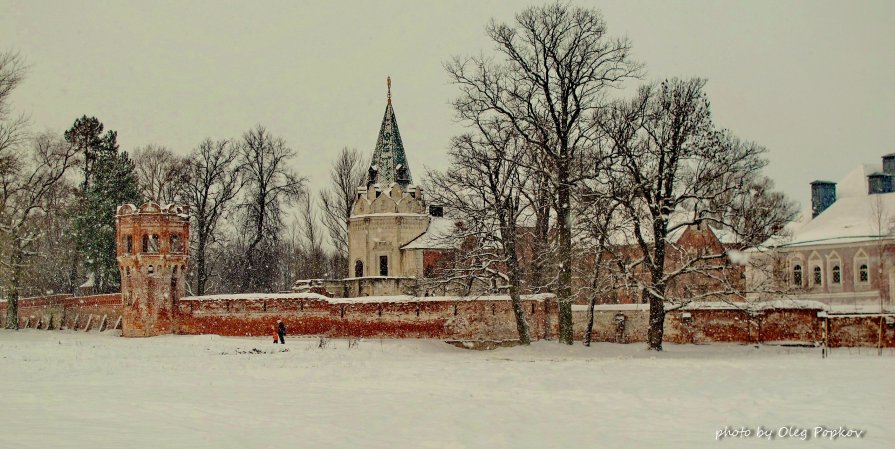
(76, 390)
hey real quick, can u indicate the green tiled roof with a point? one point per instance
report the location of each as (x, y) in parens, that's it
(389, 163)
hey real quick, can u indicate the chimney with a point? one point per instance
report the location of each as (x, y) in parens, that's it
(889, 163)
(436, 211)
(823, 195)
(879, 182)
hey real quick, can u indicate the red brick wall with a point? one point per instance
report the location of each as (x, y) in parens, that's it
(69, 311)
(479, 319)
(461, 320)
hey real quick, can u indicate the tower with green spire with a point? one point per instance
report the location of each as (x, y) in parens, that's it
(388, 213)
(389, 163)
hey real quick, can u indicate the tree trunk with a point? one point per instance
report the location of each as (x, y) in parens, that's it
(564, 289)
(509, 246)
(656, 321)
(201, 269)
(588, 333)
(541, 244)
(12, 301)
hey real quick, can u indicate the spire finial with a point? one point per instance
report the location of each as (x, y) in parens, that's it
(388, 81)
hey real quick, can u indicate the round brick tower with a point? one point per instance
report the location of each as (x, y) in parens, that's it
(153, 251)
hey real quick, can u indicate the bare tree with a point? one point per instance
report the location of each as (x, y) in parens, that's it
(28, 177)
(557, 62)
(483, 186)
(673, 171)
(161, 174)
(270, 186)
(336, 200)
(12, 73)
(599, 221)
(314, 263)
(212, 182)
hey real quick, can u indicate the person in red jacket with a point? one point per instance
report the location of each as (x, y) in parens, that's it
(275, 335)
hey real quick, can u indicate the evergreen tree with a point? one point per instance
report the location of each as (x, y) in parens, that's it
(114, 183)
(87, 137)
(109, 181)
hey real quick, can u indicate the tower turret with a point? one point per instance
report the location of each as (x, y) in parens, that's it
(153, 253)
(388, 213)
(389, 163)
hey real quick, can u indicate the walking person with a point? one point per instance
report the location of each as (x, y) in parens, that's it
(281, 331)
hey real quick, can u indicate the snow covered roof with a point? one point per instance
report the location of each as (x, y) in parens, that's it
(855, 216)
(681, 218)
(441, 234)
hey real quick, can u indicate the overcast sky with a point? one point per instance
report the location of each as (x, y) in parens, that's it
(812, 81)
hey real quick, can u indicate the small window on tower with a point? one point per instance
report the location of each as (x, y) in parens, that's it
(152, 244)
(358, 269)
(175, 244)
(383, 265)
(129, 244)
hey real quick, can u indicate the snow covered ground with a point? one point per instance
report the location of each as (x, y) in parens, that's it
(74, 390)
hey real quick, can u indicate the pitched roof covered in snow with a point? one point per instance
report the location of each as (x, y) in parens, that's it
(855, 216)
(441, 234)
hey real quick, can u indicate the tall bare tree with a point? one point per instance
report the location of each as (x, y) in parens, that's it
(270, 186)
(345, 176)
(28, 177)
(555, 65)
(483, 186)
(12, 73)
(672, 170)
(314, 263)
(213, 182)
(161, 174)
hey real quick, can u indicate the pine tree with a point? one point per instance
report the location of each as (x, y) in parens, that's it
(109, 181)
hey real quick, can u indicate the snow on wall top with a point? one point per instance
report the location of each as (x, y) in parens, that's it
(360, 300)
(407, 298)
(254, 296)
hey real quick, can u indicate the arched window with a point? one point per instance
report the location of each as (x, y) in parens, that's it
(797, 275)
(863, 273)
(129, 244)
(837, 274)
(150, 243)
(358, 269)
(818, 277)
(175, 243)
